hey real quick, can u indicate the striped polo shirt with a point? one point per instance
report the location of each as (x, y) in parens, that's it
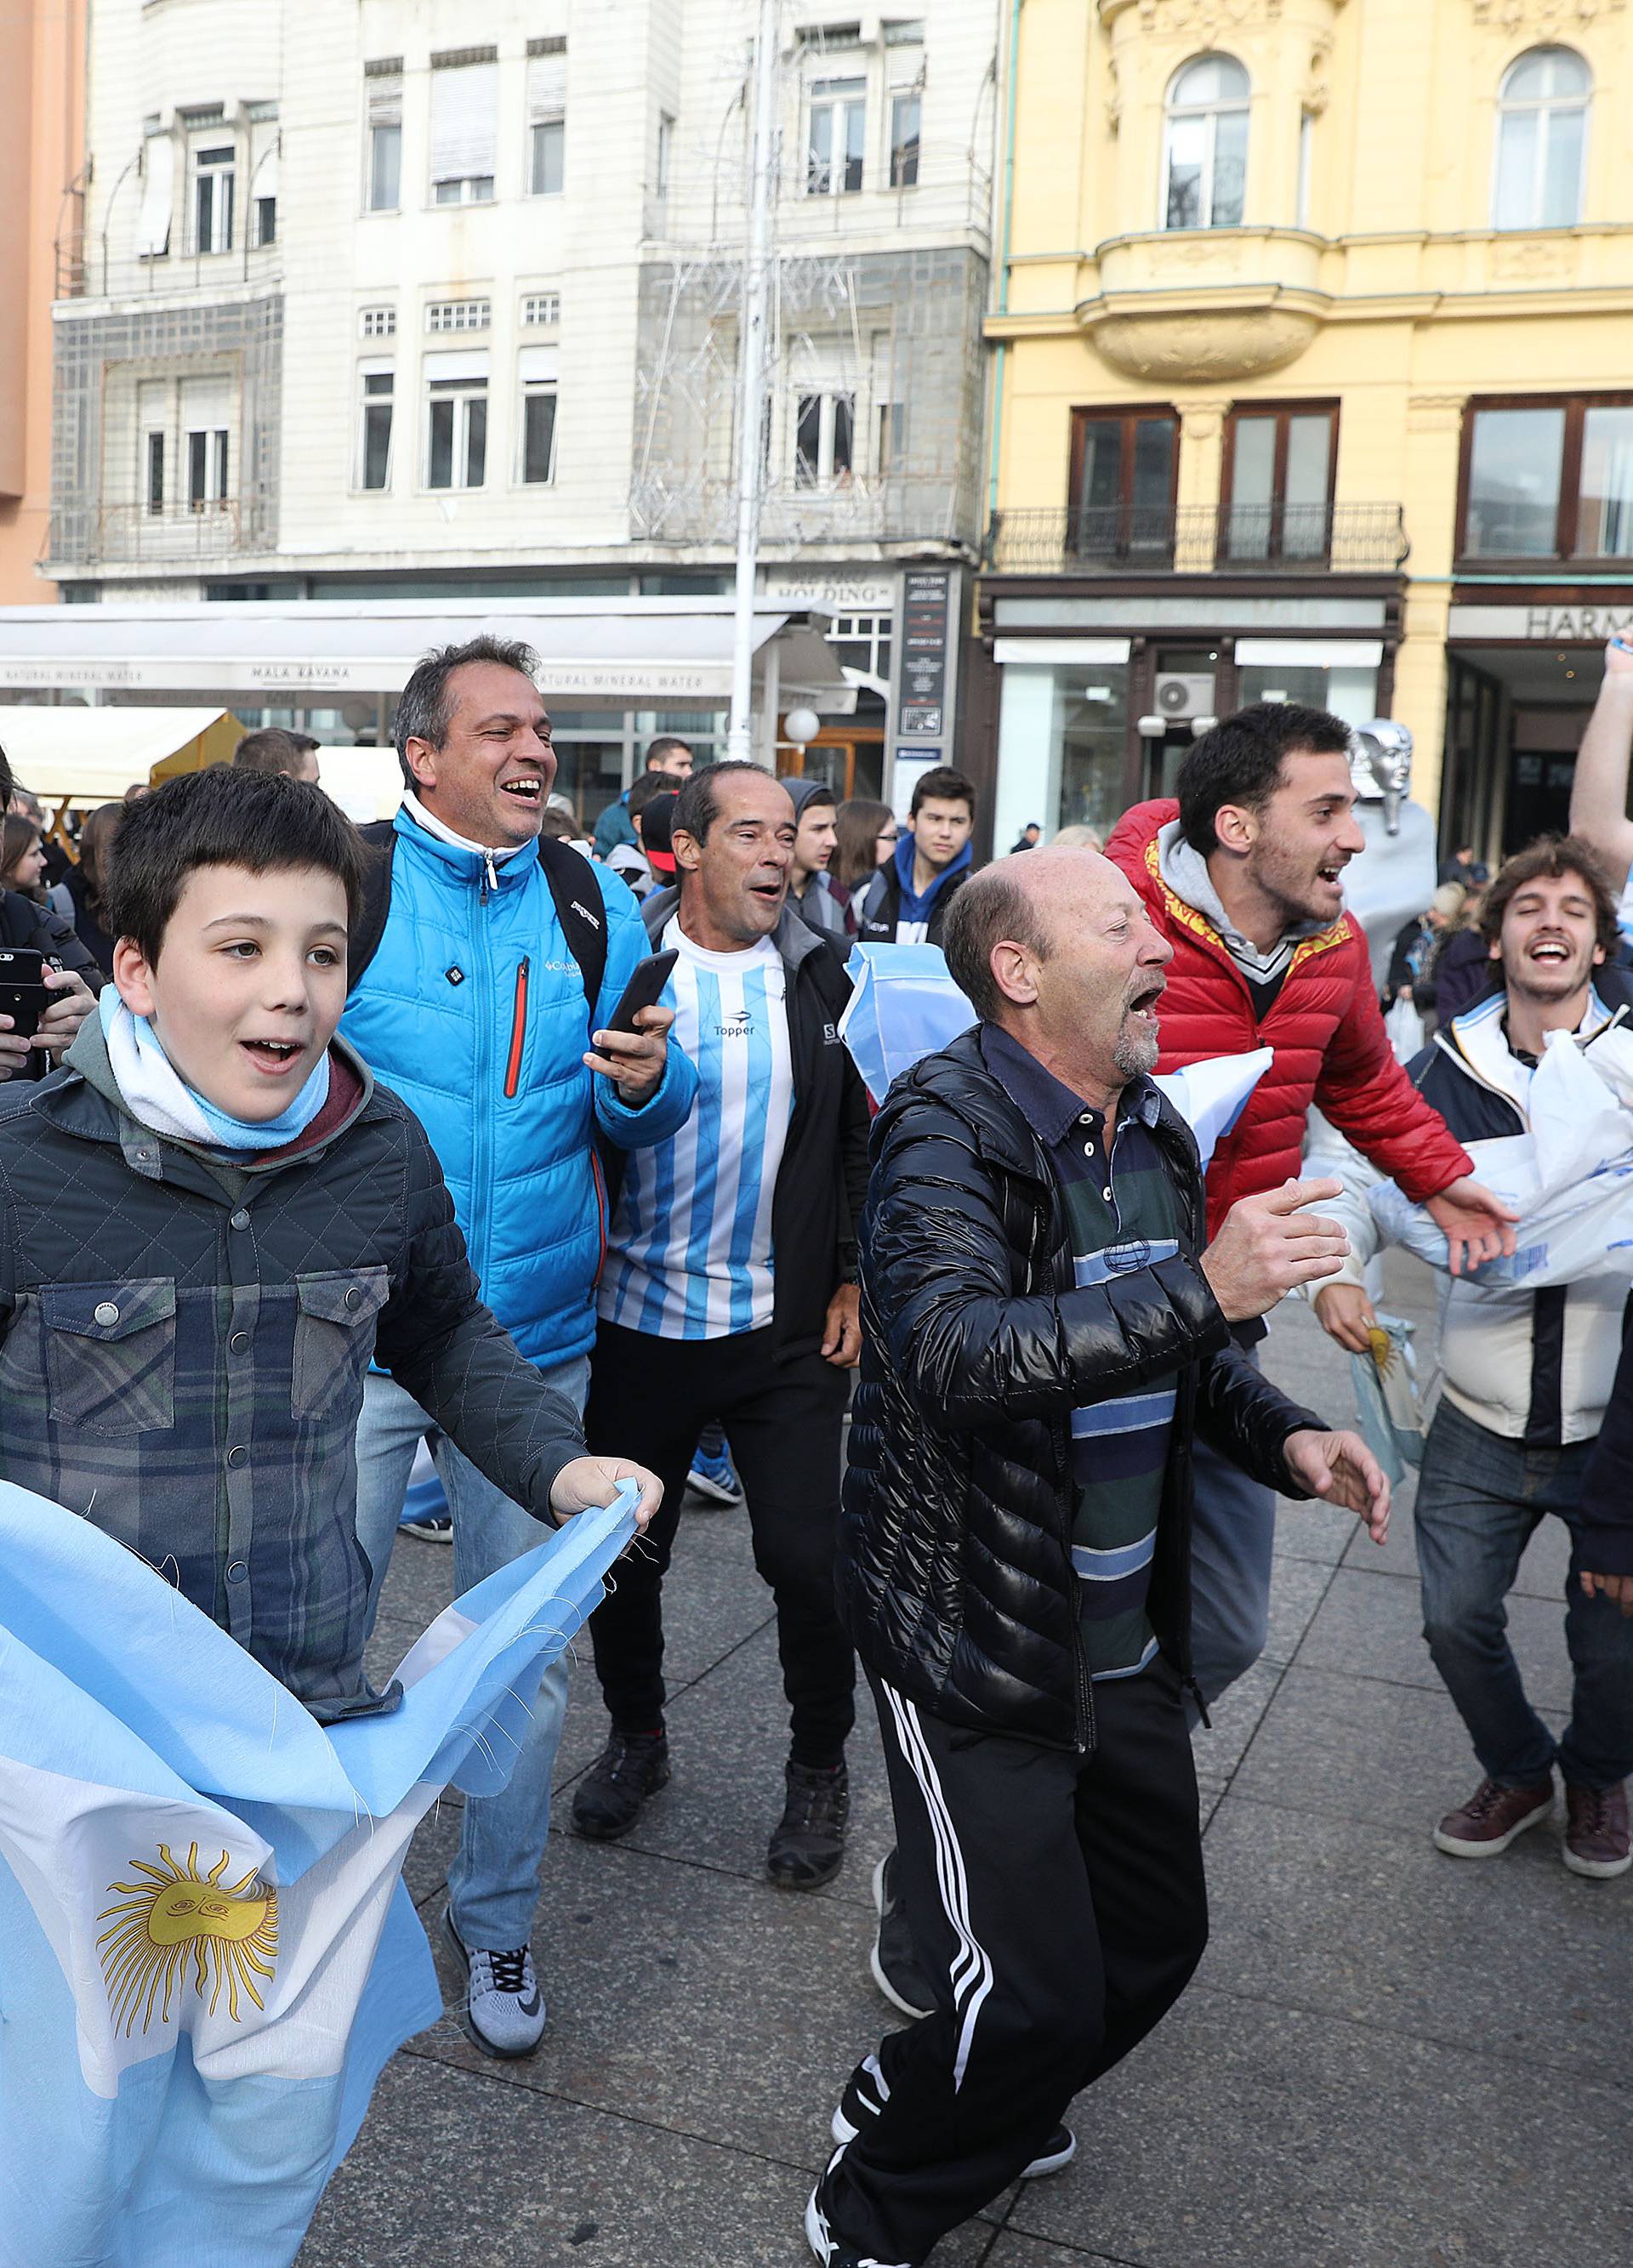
(1124, 1214)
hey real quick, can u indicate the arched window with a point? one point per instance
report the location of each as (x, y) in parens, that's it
(1541, 138)
(1205, 169)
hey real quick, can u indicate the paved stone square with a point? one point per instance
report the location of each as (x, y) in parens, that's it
(1389, 2059)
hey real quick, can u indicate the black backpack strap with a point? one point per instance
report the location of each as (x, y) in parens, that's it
(582, 910)
(578, 904)
(381, 836)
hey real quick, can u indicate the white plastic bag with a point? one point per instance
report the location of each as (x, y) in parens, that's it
(1570, 1179)
(1405, 1027)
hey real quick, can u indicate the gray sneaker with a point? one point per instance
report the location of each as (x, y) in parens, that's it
(504, 2010)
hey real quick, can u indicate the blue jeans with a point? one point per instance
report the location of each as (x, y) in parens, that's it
(493, 1884)
(1233, 1541)
(1481, 1498)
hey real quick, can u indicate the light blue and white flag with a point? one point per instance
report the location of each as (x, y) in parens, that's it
(905, 1004)
(207, 1955)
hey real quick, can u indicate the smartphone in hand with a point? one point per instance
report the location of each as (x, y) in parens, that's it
(644, 990)
(24, 994)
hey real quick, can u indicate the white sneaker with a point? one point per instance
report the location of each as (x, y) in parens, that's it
(504, 2010)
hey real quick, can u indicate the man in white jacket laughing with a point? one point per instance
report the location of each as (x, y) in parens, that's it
(1526, 1376)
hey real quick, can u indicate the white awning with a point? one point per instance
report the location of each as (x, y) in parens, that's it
(593, 653)
(92, 755)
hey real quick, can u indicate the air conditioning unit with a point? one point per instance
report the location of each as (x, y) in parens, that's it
(1179, 698)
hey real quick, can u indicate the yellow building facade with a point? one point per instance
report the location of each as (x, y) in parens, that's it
(1312, 378)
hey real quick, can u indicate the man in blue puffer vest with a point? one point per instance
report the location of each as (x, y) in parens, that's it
(474, 1008)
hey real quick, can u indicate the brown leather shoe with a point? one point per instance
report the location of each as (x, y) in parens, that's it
(1596, 1830)
(1485, 1826)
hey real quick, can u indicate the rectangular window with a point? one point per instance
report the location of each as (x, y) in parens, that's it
(1123, 470)
(266, 220)
(464, 127)
(537, 370)
(836, 137)
(541, 310)
(1551, 478)
(456, 424)
(666, 151)
(538, 433)
(379, 386)
(547, 117)
(1279, 469)
(384, 83)
(377, 322)
(155, 473)
(1516, 458)
(207, 469)
(385, 168)
(1605, 503)
(458, 315)
(212, 199)
(549, 158)
(824, 440)
(903, 141)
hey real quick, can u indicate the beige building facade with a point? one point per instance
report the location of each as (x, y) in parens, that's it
(1312, 379)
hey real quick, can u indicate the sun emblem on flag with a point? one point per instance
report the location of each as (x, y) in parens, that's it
(229, 1930)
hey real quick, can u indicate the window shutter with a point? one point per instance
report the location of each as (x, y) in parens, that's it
(464, 122)
(458, 366)
(385, 99)
(159, 162)
(539, 364)
(547, 89)
(265, 183)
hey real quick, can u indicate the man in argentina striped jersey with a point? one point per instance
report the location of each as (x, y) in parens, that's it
(729, 1293)
(1046, 1332)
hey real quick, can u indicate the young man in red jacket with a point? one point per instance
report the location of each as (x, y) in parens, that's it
(1243, 875)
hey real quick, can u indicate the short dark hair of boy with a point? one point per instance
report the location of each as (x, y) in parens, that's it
(945, 785)
(424, 707)
(649, 785)
(992, 906)
(1239, 761)
(271, 749)
(1550, 859)
(697, 807)
(223, 817)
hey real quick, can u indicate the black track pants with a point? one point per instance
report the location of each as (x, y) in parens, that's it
(649, 1399)
(1058, 1910)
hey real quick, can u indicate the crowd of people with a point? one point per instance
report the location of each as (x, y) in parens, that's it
(400, 1170)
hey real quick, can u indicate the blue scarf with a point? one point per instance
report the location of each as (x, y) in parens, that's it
(155, 1091)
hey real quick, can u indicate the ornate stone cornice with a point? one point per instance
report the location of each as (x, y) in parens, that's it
(1542, 15)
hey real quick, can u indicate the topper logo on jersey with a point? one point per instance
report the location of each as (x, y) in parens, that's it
(737, 1027)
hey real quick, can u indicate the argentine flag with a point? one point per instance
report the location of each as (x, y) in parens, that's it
(207, 1953)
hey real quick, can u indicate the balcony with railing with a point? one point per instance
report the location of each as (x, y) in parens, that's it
(1275, 539)
(168, 535)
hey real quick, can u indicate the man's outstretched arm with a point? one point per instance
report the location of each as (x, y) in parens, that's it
(1599, 789)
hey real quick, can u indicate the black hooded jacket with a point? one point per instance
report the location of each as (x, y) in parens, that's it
(955, 1569)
